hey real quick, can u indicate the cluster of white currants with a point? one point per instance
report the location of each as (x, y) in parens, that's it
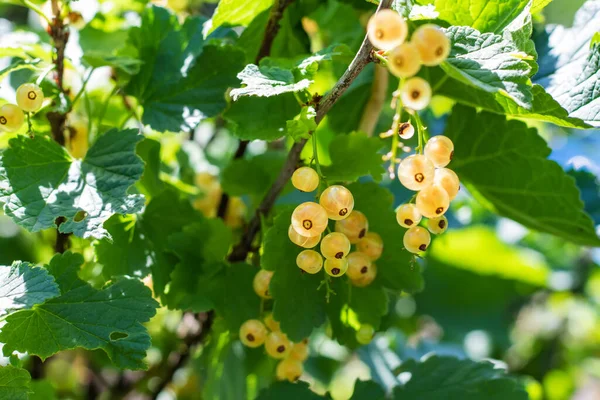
(29, 99)
(310, 220)
(436, 186)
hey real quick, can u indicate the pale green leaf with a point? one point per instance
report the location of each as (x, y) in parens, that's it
(23, 285)
(238, 12)
(267, 81)
(303, 125)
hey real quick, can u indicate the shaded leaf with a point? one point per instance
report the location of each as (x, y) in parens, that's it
(354, 155)
(23, 285)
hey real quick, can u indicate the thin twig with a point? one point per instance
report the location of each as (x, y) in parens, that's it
(376, 102)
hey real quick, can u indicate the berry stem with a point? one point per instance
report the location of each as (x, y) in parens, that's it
(29, 125)
(395, 126)
(379, 58)
(328, 290)
(82, 90)
(36, 10)
(420, 132)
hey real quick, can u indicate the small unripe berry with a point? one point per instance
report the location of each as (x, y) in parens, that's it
(365, 334)
(299, 351)
(408, 215)
(253, 333)
(433, 201)
(447, 179)
(309, 219)
(359, 265)
(277, 345)
(416, 239)
(337, 201)
(305, 179)
(289, 369)
(416, 172)
(335, 245)
(354, 227)
(309, 261)
(336, 266)
(437, 225)
(406, 130)
(404, 61)
(415, 93)
(387, 29)
(371, 245)
(432, 43)
(11, 118)
(271, 323)
(439, 149)
(30, 97)
(261, 282)
(366, 278)
(302, 241)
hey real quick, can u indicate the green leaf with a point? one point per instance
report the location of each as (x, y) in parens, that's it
(122, 63)
(354, 155)
(23, 285)
(452, 378)
(539, 5)
(14, 383)
(149, 151)
(367, 390)
(488, 62)
(238, 12)
(42, 389)
(288, 391)
(19, 64)
(109, 319)
(528, 187)
(303, 125)
(267, 81)
(42, 183)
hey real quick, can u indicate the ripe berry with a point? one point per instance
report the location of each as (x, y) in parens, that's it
(30, 97)
(309, 261)
(433, 44)
(406, 130)
(261, 282)
(271, 323)
(408, 215)
(299, 351)
(437, 225)
(78, 142)
(447, 179)
(253, 333)
(387, 29)
(11, 117)
(289, 369)
(416, 239)
(371, 245)
(415, 93)
(439, 149)
(365, 334)
(366, 278)
(354, 227)
(404, 61)
(277, 345)
(305, 179)
(359, 265)
(337, 201)
(336, 266)
(309, 219)
(302, 241)
(433, 201)
(416, 172)
(335, 245)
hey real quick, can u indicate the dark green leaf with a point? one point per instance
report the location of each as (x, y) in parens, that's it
(354, 155)
(288, 391)
(367, 390)
(14, 383)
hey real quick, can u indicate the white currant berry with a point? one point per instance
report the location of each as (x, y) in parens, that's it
(404, 61)
(408, 215)
(415, 93)
(439, 149)
(11, 117)
(406, 130)
(335, 245)
(437, 225)
(299, 351)
(416, 239)
(432, 43)
(366, 278)
(365, 334)
(302, 241)
(354, 227)
(277, 345)
(271, 323)
(387, 29)
(305, 179)
(359, 265)
(416, 172)
(433, 201)
(289, 369)
(309, 261)
(30, 97)
(261, 282)
(253, 333)
(337, 201)
(309, 219)
(336, 267)
(447, 179)
(371, 244)
(77, 138)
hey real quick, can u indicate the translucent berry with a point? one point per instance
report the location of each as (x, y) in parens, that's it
(371, 244)
(408, 215)
(253, 333)
(416, 172)
(335, 245)
(261, 282)
(354, 227)
(309, 261)
(387, 29)
(77, 138)
(337, 201)
(404, 61)
(305, 179)
(415, 93)
(447, 179)
(309, 219)
(359, 265)
(299, 351)
(433, 201)
(30, 97)
(236, 212)
(289, 369)
(277, 345)
(365, 334)
(11, 117)
(406, 130)
(271, 323)
(416, 239)
(437, 225)
(336, 266)
(432, 43)
(366, 278)
(303, 241)
(439, 149)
